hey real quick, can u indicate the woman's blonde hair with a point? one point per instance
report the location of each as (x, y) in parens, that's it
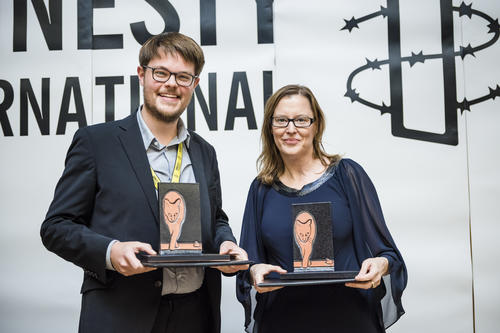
(270, 164)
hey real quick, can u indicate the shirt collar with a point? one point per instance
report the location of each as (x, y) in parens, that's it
(149, 139)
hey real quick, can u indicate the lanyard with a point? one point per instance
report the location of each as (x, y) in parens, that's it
(177, 168)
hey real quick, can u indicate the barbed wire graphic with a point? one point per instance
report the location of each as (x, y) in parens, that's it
(420, 57)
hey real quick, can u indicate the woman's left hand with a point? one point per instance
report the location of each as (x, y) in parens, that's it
(371, 273)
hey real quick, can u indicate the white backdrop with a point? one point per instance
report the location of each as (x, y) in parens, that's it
(440, 200)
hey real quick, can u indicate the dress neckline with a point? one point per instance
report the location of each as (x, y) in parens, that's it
(307, 188)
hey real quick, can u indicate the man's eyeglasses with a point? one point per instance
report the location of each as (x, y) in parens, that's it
(161, 74)
(301, 122)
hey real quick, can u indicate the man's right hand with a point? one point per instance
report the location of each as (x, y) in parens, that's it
(124, 260)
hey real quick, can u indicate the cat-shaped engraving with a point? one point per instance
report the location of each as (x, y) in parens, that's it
(304, 231)
(174, 212)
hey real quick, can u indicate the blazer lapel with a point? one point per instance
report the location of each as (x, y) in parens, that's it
(132, 144)
(199, 173)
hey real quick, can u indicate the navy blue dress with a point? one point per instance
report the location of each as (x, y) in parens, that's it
(359, 233)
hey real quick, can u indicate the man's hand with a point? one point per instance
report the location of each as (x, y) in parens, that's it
(228, 247)
(123, 257)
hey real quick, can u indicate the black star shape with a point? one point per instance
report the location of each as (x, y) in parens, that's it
(494, 27)
(464, 51)
(385, 109)
(383, 11)
(494, 92)
(465, 10)
(464, 105)
(419, 57)
(351, 24)
(352, 94)
(375, 64)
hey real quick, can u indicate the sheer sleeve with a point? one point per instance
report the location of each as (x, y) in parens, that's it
(251, 241)
(372, 237)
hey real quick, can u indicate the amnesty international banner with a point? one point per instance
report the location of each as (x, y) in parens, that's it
(409, 88)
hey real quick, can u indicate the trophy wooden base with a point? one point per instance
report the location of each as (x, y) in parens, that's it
(316, 275)
(310, 278)
(190, 260)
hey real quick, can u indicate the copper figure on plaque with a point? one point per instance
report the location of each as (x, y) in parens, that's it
(174, 212)
(305, 234)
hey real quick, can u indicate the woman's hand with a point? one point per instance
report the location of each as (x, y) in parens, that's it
(371, 273)
(257, 273)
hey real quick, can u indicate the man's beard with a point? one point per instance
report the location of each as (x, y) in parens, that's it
(161, 116)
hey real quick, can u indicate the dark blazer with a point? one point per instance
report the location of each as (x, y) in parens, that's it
(371, 238)
(106, 192)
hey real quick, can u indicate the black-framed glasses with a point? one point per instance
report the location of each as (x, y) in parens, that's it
(161, 74)
(300, 122)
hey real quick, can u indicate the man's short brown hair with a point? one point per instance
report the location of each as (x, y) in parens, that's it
(172, 43)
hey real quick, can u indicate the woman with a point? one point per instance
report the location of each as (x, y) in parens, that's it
(294, 168)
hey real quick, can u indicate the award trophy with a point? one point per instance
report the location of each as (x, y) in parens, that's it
(180, 230)
(313, 253)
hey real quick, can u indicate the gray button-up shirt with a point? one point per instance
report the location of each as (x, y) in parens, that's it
(162, 160)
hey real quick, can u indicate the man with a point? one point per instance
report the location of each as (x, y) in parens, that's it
(105, 207)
